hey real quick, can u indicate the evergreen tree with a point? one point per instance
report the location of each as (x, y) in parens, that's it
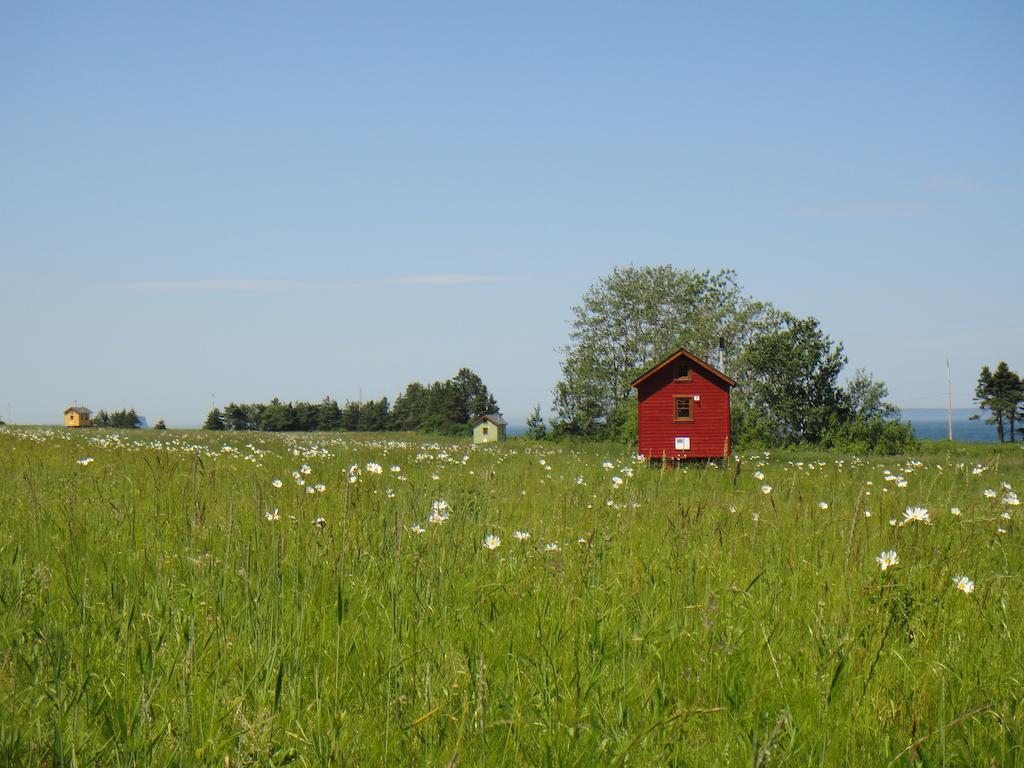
(535, 428)
(448, 403)
(473, 392)
(160, 425)
(1013, 387)
(374, 416)
(1001, 393)
(307, 417)
(123, 419)
(411, 408)
(235, 417)
(278, 417)
(214, 420)
(328, 415)
(350, 416)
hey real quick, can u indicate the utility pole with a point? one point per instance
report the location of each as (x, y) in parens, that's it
(949, 401)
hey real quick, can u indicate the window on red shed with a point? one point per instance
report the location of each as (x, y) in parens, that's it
(682, 371)
(683, 408)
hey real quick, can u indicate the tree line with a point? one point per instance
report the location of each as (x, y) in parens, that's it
(123, 419)
(444, 407)
(1001, 393)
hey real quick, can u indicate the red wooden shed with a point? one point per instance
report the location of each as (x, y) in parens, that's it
(683, 405)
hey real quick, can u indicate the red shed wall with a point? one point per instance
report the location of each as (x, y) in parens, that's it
(709, 430)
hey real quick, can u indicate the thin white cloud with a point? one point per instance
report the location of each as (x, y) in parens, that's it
(456, 279)
(954, 184)
(221, 286)
(247, 285)
(862, 210)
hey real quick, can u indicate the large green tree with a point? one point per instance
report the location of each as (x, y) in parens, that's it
(791, 394)
(634, 317)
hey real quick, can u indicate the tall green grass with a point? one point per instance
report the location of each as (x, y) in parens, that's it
(151, 614)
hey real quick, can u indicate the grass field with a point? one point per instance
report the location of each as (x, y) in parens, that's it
(163, 603)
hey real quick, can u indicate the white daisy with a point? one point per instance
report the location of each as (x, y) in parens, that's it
(916, 515)
(887, 559)
(964, 584)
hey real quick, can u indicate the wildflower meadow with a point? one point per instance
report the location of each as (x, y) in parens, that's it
(248, 599)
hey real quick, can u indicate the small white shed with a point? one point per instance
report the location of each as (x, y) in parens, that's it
(489, 428)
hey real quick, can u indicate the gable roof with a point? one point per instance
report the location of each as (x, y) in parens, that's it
(682, 352)
(78, 409)
(494, 418)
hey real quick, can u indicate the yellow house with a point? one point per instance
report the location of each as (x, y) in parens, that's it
(489, 428)
(77, 416)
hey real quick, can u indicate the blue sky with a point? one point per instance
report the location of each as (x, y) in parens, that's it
(243, 200)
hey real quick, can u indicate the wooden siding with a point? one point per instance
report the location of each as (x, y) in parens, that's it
(495, 432)
(75, 419)
(708, 429)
